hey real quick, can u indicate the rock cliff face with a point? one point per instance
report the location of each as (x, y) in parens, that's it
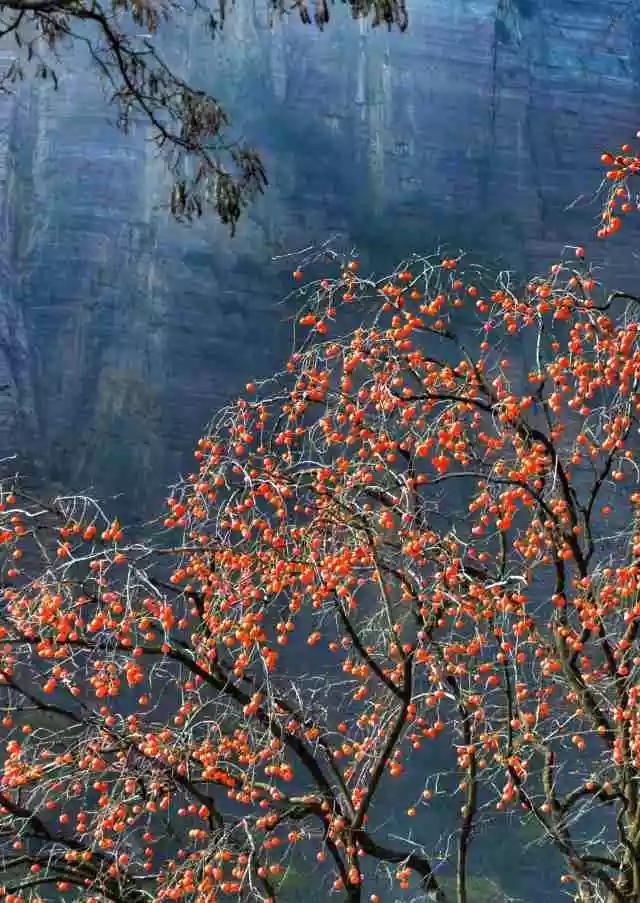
(121, 331)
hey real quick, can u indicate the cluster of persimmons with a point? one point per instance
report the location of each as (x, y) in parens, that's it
(418, 543)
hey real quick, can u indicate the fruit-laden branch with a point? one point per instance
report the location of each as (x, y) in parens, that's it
(403, 594)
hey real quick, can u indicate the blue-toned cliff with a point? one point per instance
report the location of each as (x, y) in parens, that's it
(121, 331)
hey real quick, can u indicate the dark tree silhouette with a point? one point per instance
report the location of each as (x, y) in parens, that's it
(211, 170)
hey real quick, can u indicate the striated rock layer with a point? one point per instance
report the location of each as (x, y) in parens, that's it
(121, 331)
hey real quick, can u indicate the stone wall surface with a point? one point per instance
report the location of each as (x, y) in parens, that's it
(121, 331)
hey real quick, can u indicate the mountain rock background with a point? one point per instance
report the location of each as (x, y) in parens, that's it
(121, 331)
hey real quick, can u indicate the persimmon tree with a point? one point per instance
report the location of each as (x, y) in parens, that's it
(406, 567)
(212, 169)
